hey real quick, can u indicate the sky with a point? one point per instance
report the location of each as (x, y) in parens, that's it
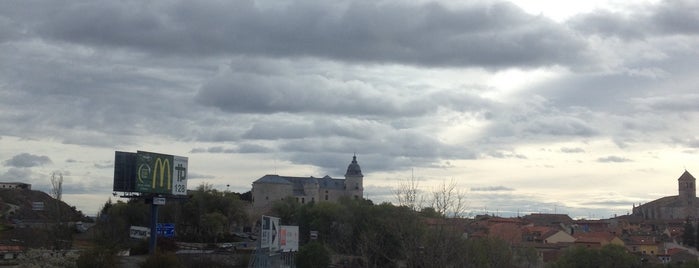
(577, 107)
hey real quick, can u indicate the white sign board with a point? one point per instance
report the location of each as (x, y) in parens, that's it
(289, 238)
(139, 232)
(159, 201)
(37, 205)
(269, 233)
(179, 180)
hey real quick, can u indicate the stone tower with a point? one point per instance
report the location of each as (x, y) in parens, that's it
(354, 180)
(687, 188)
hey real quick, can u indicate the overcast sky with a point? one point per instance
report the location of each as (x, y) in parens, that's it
(581, 107)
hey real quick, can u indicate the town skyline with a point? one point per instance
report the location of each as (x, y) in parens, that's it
(529, 106)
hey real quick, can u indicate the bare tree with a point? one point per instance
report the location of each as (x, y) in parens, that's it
(56, 192)
(409, 195)
(57, 185)
(448, 200)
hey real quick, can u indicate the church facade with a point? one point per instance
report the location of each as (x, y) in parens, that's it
(270, 188)
(685, 205)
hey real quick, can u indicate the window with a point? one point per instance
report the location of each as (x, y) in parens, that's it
(303, 200)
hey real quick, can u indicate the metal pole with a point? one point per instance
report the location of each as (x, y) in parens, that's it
(153, 223)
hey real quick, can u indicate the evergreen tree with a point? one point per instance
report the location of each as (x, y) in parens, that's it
(689, 237)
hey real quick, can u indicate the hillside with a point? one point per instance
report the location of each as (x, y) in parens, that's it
(16, 205)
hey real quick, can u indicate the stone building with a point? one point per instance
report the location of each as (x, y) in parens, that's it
(685, 205)
(271, 188)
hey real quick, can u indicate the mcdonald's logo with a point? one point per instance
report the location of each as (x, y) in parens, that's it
(164, 165)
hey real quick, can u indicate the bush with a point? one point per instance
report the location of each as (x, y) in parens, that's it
(162, 260)
(313, 255)
(97, 258)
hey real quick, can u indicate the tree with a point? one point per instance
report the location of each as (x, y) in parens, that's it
(313, 255)
(688, 237)
(57, 185)
(408, 194)
(57, 192)
(609, 256)
(449, 201)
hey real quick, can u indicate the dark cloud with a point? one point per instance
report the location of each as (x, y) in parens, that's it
(613, 159)
(27, 160)
(491, 189)
(496, 34)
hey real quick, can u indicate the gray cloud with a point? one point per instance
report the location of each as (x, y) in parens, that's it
(104, 165)
(677, 17)
(501, 154)
(496, 34)
(17, 175)
(491, 189)
(613, 159)
(243, 148)
(27, 160)
(572, 150)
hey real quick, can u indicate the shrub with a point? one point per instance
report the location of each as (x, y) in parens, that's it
(162, 260)
(313, 255)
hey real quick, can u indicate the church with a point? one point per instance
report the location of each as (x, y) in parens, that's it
(271, 188)
(685, 205)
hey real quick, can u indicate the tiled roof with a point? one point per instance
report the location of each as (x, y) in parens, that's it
(641, 240)
(298, 183)
(686, 176)
(353, 169)
(273, 179)
(6, 248)
(548, 219)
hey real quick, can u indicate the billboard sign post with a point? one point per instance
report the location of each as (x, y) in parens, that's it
(155, 176)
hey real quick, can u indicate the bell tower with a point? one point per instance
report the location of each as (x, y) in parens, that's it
(354, 180)
(687, 187)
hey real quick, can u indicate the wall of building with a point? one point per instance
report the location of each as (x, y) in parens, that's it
(263, 194)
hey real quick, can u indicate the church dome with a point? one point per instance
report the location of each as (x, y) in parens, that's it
(353, 169)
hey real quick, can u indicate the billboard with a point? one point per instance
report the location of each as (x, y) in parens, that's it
(147, 172)
(289, 238)
(124, 172)
(269, 233)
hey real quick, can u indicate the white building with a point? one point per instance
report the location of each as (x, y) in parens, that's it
(15, 185)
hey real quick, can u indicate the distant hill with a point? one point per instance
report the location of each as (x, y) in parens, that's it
(16, 204)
